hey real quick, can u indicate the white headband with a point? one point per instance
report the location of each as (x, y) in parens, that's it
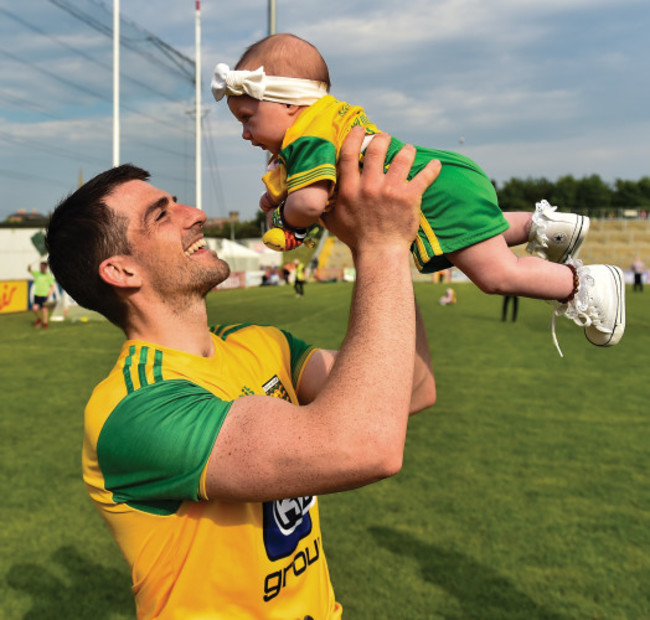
(258, 85)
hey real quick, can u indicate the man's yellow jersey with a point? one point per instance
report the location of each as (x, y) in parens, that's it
(149, 429)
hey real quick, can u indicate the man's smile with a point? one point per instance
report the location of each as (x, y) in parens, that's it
(196, 246)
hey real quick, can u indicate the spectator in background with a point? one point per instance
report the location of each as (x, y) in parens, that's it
(299, 282)
(286, 272)
(638, 269)
(515, 307)
(43, 288)
(449, 298)
(274, 277)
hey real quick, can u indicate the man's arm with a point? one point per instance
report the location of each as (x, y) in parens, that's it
(423, 394)
(353, 431)
(424, 385)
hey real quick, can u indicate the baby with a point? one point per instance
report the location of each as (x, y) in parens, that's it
(279, 92)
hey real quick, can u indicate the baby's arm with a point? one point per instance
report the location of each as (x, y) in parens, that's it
(266, 204)
(304, 207)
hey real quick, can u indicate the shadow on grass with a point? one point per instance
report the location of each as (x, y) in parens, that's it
(90, 591)
(479, 590)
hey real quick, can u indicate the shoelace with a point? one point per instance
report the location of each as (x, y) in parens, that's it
(581, 318)
(580, 309)
(555, 341)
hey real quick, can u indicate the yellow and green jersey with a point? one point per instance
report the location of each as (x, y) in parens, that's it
(458, 210)
(149, 429)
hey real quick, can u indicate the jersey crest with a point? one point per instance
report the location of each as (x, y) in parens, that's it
(274, 387)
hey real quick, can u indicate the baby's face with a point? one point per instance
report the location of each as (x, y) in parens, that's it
(263, 123)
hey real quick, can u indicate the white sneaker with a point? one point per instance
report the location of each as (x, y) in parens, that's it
(598, 305)
(556, 236)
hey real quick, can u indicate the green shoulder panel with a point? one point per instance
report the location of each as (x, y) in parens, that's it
(300, 351)
(223, 331)
(155, 444)
(307, 160)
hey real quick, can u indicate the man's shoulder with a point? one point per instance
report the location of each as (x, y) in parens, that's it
(242, 331)
(141, 380)
(140, 364)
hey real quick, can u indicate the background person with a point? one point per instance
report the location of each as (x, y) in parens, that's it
(638, 269)
(43, 287)
(300, 277)
(515, 307)
(449, 298)
(205, 449)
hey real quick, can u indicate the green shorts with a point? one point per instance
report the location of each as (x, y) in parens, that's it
(458, 210)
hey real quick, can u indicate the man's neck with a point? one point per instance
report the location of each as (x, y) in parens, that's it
(184, 331)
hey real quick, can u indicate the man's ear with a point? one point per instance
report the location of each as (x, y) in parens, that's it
(120, 271)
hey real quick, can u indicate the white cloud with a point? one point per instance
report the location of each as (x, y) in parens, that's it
(536, 88)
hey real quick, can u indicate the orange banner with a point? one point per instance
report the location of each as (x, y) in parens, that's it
(13, 296)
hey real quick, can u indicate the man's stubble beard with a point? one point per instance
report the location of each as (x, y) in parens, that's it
(191, 284)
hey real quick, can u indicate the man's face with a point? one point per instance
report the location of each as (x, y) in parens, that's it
(167, 242)
(264, 123)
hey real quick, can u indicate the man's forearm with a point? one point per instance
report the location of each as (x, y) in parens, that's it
(424, 385)
(372, 377)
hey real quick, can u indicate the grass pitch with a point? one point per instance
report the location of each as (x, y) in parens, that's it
(525, 492)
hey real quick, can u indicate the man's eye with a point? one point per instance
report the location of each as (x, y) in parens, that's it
(161, 215)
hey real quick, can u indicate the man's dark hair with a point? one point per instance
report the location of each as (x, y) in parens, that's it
(83, 232)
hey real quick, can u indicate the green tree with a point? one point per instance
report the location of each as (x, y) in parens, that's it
(644, 191)
(521, 195)
(627, 194)
(593, 194)
(565, 193)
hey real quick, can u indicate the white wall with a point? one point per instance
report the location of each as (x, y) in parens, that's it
(17, 252)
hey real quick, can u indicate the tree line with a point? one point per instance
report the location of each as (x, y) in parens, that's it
(588, 195)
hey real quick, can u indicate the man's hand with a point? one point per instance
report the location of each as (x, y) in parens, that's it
(372, 207)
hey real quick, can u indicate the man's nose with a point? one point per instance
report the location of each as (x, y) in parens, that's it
(192, 215)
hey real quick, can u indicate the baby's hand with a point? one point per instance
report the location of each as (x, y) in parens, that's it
(266, 204)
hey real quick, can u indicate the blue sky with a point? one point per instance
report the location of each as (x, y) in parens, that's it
(527, 89)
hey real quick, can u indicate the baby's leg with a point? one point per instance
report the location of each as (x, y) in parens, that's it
(520, 223)
(550, 234)
(496, 270)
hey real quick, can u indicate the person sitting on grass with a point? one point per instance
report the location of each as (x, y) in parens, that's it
(279, 93)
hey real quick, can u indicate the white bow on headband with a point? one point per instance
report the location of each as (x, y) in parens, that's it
(258, 85)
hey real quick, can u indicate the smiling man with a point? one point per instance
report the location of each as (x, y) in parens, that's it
(205, 448)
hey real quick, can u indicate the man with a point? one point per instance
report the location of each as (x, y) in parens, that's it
(638, 269)
(43, 288)
(299, 275)
(185, 454)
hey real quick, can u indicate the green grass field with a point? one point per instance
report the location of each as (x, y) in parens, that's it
(525, 492)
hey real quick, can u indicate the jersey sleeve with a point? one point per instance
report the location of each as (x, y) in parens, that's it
(300, 352)
(156, 442)
(307, 160)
